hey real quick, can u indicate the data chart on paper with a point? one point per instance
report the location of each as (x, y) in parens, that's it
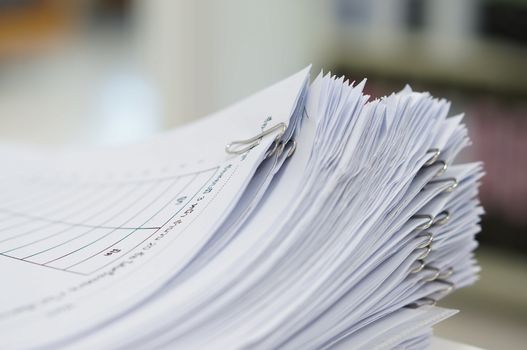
(81, 228)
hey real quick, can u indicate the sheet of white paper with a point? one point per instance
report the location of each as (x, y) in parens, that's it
(120, 221)
(207, 250)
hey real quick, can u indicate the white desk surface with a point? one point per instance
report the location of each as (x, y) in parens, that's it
(445, 344)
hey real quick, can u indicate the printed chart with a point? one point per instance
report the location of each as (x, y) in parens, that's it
(82, 228)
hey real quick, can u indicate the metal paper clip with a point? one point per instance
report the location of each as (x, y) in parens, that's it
(420, 266)
(427, 224)
(440, 294)
(425, 245)
(445, 274)
(434, 160)
(422, 302)
(425, 253)
(279, 149)
(441, 218)
(428, 242)
(443, 168)
(242, 146)
(429, 300)
(449, 287)
(436, 274)
(450, 188)
(435, 156)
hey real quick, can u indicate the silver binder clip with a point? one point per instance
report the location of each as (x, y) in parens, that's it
(242, 146)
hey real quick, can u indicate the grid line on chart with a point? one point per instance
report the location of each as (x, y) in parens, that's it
(98, 239)
(102, 235)
(82, 234)
(72, 224)
(82, 209)
(168, 220)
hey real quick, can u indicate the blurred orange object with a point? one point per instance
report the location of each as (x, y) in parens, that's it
(26, 26)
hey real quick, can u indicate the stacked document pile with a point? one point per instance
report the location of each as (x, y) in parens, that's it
(307, 216)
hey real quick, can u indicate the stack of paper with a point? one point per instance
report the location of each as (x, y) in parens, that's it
(335, 222)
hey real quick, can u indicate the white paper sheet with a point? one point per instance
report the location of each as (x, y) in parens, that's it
(174, 243)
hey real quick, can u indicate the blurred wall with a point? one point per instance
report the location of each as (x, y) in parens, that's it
(204, 55)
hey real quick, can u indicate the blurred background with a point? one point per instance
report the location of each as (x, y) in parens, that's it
(115, 71)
